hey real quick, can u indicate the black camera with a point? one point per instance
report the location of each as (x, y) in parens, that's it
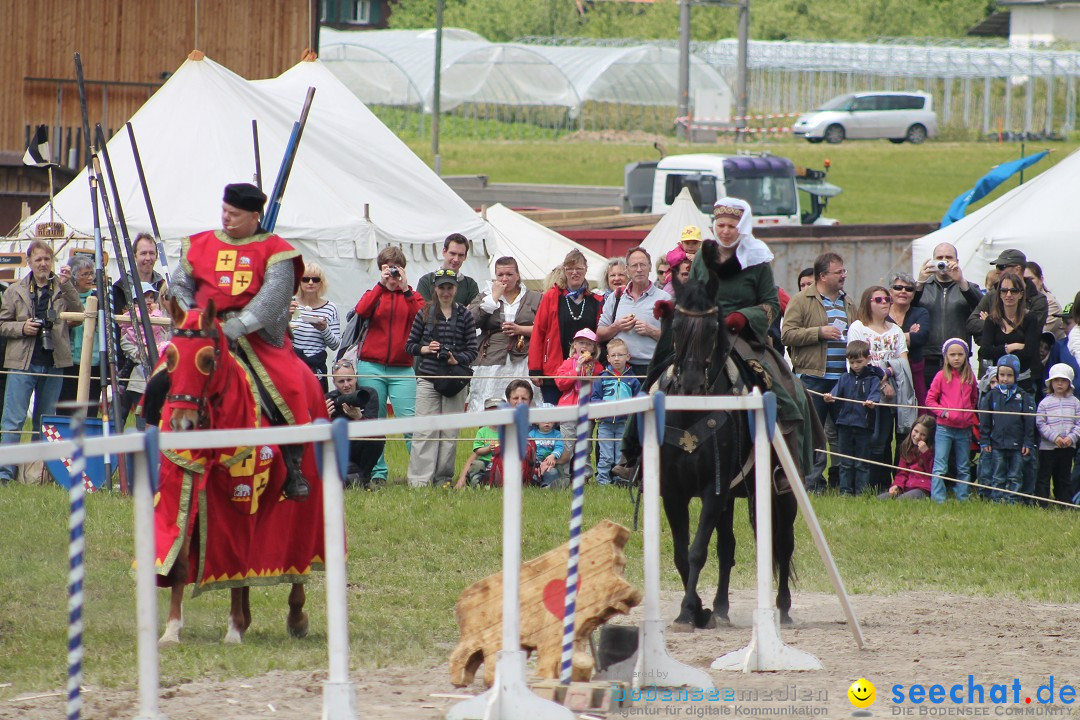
(395, 272)
(443, 354)
(357, 399)
(46, 329)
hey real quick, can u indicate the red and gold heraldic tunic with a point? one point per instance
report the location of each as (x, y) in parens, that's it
(230, 272)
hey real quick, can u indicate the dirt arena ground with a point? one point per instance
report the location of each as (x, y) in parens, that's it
(923, 638)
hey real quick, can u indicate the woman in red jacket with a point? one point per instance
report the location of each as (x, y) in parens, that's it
(566, 307)
(382, 362)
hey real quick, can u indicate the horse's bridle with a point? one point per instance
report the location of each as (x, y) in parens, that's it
(199, 402)
(709, 356)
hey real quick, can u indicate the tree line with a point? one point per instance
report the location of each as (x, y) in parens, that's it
(838, 20)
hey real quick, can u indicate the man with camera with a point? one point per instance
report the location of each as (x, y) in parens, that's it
(38, 345)
(947, 295)
(353, 402)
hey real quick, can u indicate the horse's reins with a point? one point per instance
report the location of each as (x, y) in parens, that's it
(711, 351)
(199, 402)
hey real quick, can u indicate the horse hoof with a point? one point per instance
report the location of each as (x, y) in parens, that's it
(298, 629)
(171, 636)
(233, 637)
(681, 627)
(703, 619)
(721, 620)
(785, 619)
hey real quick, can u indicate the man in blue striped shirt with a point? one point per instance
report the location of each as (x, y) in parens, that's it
(815, 333)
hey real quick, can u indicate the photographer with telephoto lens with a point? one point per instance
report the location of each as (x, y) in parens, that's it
(356, 402)
(38, 345)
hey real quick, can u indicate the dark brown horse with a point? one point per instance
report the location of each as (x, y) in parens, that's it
(710, 456)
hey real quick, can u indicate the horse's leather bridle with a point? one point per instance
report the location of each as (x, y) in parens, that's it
(200, 402)
(709, 356)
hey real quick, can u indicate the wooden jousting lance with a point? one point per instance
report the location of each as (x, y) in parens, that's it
(149, 205)
(107, 356)
(274, 204)
(144, 334)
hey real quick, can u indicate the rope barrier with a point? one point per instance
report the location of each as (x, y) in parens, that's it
(925, 409)
(976, 485)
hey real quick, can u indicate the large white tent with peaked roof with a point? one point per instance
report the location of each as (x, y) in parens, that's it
(1036, 217)
(354, 189)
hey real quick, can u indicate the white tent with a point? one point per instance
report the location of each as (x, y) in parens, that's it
(1036, 217)
(537, 249)
(665, 234)
(194, 137)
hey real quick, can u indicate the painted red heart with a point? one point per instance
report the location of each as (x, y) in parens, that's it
(555, 597)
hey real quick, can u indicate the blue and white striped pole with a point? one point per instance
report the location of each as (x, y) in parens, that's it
(76, 571)
(577, 503)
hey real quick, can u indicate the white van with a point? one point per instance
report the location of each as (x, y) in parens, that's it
(896, 116)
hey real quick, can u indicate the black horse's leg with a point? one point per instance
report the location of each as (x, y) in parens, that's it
(677, 510)
(699, 555)
(725, 554)
(785, 509)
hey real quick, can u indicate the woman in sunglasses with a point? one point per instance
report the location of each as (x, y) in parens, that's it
(1012, 328)
(888, 351)
(315, 326)
(915, 322)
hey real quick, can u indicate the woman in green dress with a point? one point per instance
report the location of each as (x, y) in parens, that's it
(747, 300)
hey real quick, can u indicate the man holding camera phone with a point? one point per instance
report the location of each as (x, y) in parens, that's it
(947, 295)
(38, 343)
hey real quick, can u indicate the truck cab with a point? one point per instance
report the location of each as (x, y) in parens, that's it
(769, 183)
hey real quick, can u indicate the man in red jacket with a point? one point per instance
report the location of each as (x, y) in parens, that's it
(251, 276)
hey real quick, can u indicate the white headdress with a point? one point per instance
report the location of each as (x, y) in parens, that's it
(750, 251)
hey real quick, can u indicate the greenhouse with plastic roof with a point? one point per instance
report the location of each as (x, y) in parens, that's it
(556, 87)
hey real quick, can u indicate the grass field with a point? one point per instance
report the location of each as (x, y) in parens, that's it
(412, 552)
(883, 183)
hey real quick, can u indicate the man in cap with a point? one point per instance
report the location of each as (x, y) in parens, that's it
(455, 251)
(251, 275)
(1009, 261)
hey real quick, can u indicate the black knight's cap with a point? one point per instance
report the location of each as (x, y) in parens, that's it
(245, 196)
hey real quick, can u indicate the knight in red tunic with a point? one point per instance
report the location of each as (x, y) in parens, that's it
(251, 276)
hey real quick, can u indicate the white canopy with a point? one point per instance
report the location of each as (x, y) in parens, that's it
(665, 234)
(537, 249)
(1036, 217)
(194, 137)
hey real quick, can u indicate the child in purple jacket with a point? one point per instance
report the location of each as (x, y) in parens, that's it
(1058, 422)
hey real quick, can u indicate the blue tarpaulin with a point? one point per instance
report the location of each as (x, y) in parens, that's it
(986, 184)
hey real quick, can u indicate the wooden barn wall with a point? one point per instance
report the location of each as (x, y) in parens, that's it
(134, 41)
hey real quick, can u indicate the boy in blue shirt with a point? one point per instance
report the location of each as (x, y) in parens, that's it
(612, 385)
(855, 420)
(549, 448)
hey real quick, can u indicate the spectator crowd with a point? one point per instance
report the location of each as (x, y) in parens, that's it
(923, 384)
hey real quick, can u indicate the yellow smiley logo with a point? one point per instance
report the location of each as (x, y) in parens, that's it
(862, 693)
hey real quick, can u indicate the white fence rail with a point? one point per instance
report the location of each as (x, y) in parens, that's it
(510, 697)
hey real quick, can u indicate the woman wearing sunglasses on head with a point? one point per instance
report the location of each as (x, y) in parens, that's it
(315, 327)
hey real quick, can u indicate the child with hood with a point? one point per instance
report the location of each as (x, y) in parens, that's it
(1058, 422)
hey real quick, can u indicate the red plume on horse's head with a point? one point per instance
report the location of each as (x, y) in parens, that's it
(663, 309)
